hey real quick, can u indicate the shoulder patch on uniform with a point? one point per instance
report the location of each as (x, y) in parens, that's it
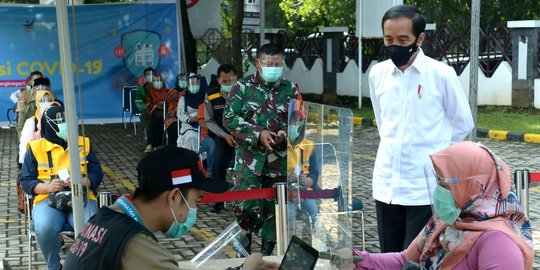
(214, 96)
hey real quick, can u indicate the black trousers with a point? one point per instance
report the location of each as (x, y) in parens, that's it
(172, 133)
(398, 225)
(155, 131)
(223, 155)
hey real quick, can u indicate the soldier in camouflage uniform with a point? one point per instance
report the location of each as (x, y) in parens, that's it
(256, 115)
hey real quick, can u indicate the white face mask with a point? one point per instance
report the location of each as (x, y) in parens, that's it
(271, 74)
(157, 84)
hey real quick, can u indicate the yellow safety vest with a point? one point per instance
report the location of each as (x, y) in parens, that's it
(60, 161)
(303, 151)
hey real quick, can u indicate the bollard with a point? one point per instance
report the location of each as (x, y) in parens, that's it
(105, 198)
(522, 181)
(282, 233)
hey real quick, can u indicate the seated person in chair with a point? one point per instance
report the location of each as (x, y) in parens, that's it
(477, 220)
(45, 160)
(303, 164)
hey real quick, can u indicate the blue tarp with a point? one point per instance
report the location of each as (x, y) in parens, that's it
(115, 43)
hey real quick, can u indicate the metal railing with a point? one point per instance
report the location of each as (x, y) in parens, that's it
(445, 43)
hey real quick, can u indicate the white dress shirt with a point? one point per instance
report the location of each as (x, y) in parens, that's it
(418, 112)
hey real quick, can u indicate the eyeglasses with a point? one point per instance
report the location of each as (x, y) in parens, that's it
(271, 63)
(446, 182)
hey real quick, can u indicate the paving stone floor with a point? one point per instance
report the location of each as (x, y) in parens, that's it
(119, 151)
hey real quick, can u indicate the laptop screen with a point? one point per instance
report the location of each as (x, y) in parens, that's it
(299, 256)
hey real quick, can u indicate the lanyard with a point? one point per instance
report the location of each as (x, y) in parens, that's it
(128, 209)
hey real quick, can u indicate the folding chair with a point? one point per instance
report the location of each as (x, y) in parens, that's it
(126, 102)
(67, 230)
(165, 135)
(133, 110)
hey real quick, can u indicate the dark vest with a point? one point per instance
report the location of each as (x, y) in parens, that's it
(102, 241)
(218, 103)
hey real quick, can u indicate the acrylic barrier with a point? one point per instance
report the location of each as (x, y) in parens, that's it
(319, 159)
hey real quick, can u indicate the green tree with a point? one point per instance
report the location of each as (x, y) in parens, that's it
(457, 13)
(311, 14)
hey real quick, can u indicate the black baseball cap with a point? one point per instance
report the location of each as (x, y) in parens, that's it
(174, 167)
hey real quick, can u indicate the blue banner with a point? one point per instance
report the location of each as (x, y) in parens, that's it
(114, 44)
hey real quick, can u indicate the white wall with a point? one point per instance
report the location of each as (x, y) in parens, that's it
(496, 90)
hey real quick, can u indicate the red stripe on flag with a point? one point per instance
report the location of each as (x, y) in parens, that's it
(180, 173)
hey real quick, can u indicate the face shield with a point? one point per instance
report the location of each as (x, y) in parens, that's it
(449, 195)
(193, 85)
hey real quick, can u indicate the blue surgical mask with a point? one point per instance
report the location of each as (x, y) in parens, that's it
(226, 88)
(157, 84)
(62, 131)
(149, 78)
(178, 229)
(271, 74)
(293, 132)
(193, 89)
(43, 104)
(182, 84)
(445, 206)
(28, 87)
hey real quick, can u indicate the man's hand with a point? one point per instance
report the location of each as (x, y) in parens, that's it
(265, 138)
(56, 185)
(230, 140)
(85, 182)
(256, 262)
(305, 181)
(282, 134)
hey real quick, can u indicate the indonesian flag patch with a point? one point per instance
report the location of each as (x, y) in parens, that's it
(181, 176)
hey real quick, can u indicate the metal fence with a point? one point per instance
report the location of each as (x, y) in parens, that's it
(444, 43)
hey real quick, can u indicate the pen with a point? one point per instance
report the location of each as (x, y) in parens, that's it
(419, 91)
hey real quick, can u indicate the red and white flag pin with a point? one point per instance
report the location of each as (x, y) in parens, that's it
(181, 176)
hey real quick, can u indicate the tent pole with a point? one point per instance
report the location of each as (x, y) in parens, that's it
(473, 61)
(182, 54)
(70, 113)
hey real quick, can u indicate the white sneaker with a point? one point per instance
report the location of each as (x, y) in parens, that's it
(149, 149)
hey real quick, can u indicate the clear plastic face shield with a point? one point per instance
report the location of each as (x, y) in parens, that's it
(320, 207)
(449, 194)
(193, 85)
(40, 87)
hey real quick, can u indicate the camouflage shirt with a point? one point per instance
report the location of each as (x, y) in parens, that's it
(252, 107)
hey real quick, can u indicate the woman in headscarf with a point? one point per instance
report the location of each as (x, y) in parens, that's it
(478, 221)
(188, 106)
(46, 171)
(154, 106)
(32, 127)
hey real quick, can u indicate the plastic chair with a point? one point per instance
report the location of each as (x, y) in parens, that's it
(133, 110)
(67, 230)
(126, 102)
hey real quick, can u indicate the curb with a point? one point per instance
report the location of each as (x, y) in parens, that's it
(502, 135)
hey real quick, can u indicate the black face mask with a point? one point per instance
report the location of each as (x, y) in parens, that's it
(400, 55)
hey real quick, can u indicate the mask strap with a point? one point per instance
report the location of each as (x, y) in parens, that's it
(49, 120)
(184, 199)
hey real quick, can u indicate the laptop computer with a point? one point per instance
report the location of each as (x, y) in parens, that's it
(299, 256)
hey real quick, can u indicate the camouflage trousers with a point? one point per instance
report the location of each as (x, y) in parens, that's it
(256, 216)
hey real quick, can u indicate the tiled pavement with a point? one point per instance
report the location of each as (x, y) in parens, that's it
(119, 150)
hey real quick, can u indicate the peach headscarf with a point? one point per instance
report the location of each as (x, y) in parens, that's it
(39, 110)
(487, 203)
